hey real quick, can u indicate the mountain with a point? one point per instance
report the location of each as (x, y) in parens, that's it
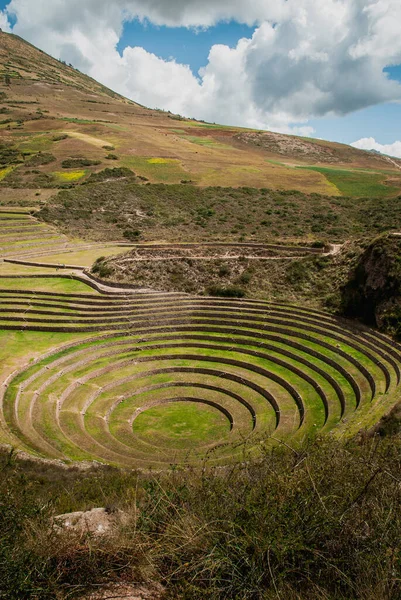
(79, 127)
(173, 357)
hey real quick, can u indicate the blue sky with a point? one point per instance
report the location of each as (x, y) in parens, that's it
(190, 45)
(186, 46)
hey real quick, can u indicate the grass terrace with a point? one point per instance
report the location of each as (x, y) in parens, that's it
(175, 379)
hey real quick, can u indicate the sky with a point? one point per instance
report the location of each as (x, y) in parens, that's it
(329, 69)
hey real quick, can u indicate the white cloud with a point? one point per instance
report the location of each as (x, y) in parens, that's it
(306, 59)
(186, 13)
(4, 24)
(371, 144)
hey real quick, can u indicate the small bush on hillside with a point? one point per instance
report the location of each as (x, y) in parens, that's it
(42, 158)
(101, 269)
(296, 272)
(109, 148)
(318, 244)
(111, 157)
(132, 234)
(224, 271)
(9, 155)
(72, 163)
(115, 173)
(59, 138)
(245, 277)
(226, 292)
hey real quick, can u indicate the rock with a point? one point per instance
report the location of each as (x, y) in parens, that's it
(98, 521)
(127, 592)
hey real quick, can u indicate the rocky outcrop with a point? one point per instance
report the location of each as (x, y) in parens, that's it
(98, 521)
(127, 592)
(373, 292)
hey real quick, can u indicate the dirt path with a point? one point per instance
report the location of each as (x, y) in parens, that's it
(234, 257)
(333, 249)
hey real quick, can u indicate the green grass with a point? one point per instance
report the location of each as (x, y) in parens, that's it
(356, 183)
(171, 431)
(181, 425)
(79, 121)
(36, 143)
(208, 142)
(165, 170)
(46, 284)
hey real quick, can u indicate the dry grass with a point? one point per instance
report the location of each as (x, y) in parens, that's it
(321, 523)
(48, 99)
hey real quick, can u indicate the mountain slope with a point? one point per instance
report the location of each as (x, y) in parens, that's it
(42, 101)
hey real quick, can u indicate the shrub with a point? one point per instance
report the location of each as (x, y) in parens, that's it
(296, 272)
(318, 244)
(112, 157)
(9, 155)
(245, 277)
(59, 138)
(226, 292)
(72, 163)
(40, 159)
(131, 234)
(115, 173)
(101, 269)
(224, 271)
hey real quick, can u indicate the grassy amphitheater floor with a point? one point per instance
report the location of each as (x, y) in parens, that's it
(143, 379)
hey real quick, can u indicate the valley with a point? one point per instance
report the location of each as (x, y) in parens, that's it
(200, 331)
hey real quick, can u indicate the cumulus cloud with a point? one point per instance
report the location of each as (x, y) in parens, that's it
(371, 144)
(306, 59)
(184, 13)
(4, 24)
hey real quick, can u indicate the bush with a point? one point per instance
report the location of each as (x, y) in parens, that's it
(101, 269)
(40, 159)
(112, 157)
(224, 271)
(296, 272)
(132, 235)
(245, 277)
(226, 292)
(59, 138)
(115, 173)
(9, 155)
(72, 163)
(318, 244)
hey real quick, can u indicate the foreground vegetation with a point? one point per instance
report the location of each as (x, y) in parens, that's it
(318, 523)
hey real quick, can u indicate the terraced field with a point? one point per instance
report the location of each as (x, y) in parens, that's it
(172, 378)
(24, 237)
(141, 378)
